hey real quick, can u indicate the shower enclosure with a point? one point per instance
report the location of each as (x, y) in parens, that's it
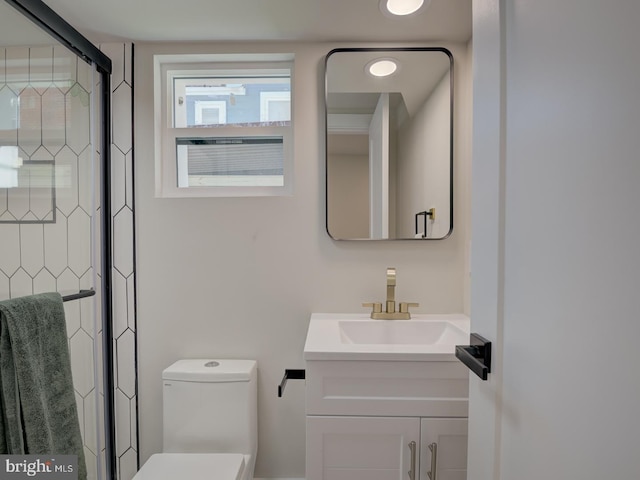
(53, 202)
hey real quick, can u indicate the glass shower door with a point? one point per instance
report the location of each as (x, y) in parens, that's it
(49, 203)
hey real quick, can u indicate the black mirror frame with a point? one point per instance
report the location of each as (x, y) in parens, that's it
(451, 136)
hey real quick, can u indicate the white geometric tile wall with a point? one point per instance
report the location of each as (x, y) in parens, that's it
(45, 232)
(122, 204)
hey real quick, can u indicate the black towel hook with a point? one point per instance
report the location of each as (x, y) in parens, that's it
(427, 213)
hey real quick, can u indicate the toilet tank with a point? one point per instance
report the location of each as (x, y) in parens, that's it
(210, 406)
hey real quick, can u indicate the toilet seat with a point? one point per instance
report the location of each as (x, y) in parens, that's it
(192, 466)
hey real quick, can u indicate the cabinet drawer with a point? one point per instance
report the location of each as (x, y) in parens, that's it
(428, 389)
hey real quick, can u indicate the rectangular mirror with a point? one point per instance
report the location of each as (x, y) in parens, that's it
(389, 143)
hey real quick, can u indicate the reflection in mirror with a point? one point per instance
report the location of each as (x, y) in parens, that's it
(389, 144)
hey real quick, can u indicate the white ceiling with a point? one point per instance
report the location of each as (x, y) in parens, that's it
(240, 20)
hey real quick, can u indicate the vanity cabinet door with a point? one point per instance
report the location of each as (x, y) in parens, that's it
(449, 456)
(361, 448)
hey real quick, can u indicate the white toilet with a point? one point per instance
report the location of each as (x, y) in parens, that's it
(210, 422)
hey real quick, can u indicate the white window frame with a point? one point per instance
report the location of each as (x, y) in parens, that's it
(166, 167)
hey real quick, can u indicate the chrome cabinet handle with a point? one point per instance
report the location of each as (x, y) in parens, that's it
(434, 461)
(412, 472)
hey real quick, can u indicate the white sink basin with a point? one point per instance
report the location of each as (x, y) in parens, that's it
(332, 336)
(401, 332)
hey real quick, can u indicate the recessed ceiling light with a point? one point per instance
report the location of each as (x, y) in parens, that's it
(382, 67)
(403, 7)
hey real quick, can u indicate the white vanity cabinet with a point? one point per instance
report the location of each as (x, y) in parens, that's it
(364, 418)
(380, 398)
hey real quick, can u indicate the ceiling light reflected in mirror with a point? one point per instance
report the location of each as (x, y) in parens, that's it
(382, 67)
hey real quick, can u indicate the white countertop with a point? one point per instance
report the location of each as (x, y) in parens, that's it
(327, 339)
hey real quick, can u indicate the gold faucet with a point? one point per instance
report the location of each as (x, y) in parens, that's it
(390, 305)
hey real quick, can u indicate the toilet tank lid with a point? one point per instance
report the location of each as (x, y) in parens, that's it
(210, 370)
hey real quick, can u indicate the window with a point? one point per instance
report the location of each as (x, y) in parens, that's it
(210, 112)
(226, 127)
(230, 161)
(275, 106)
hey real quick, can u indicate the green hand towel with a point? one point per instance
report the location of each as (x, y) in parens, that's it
(39, 413)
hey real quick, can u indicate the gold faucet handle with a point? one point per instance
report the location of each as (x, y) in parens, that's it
(376, 307)
(404, 306)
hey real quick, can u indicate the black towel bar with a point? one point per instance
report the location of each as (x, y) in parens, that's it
(80, 294)
(426, 213)
(290, 374)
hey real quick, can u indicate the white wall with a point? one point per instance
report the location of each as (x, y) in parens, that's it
(568, 304)
(239, 277)
(423, 153)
